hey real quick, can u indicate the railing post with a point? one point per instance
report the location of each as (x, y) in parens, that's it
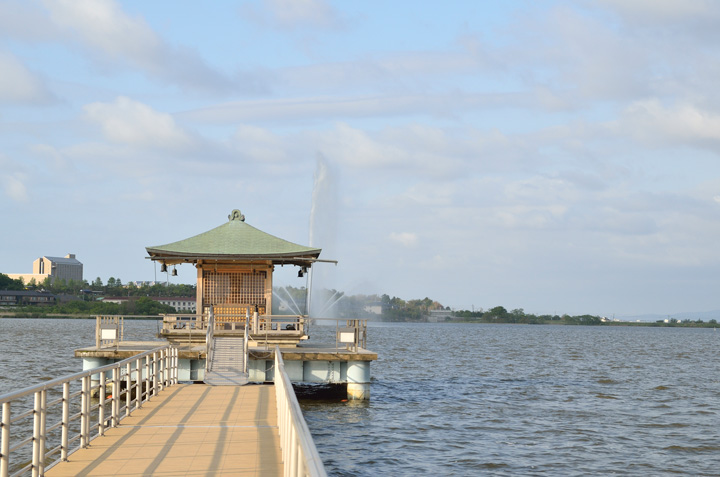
(160, 371)
(38, 438)
(84, 406)
(102, 396)
(43, 430)
(176, 365)
(155, 374)
(166, 367)
(5, 438)
(138, 383)
(65, 431)
(128, 388)
(115, 407)
(146, 394)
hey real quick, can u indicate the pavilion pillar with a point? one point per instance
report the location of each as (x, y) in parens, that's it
(199, 306)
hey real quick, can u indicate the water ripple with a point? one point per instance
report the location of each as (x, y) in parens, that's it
(515, 400)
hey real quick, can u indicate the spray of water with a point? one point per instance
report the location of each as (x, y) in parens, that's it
(323, 234)
(330, 303)
(287, 300)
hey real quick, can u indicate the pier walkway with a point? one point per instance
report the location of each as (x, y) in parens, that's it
(145, 422)
(189, 429)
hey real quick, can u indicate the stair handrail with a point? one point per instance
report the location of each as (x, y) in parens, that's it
(210, 341)
(245, 342)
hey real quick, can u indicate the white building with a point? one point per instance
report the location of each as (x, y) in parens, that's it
(182, 304)
(56, 268)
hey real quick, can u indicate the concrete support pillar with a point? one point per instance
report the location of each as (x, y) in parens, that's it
(184, 370)
(90, 363)
(358, 380)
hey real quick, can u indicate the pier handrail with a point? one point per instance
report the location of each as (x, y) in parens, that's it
(356, 327)
(300, 456)
(176, 323)
(154, 370)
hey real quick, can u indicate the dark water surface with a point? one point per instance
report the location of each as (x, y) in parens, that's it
(468, 399)
(462, 399)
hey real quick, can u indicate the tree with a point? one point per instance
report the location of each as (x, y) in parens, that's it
(147, 306)
(498, 313)
(7, 283)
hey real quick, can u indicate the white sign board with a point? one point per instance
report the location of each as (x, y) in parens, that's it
(108, 334)
(346, 335)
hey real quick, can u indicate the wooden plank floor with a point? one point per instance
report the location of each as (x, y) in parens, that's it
(189, 429)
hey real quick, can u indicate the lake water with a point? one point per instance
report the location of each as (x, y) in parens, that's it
(471, 399)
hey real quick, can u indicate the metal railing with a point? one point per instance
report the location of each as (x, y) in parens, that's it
(177, 324)
(353, 335)
(26, 435)
(299, 454)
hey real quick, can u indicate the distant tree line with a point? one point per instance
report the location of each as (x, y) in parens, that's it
(113, 287)
(142, 306)
(499, 314)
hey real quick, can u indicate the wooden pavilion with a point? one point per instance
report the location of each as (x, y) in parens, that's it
(235, 264)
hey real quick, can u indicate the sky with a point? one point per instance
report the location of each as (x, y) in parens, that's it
(554, 156)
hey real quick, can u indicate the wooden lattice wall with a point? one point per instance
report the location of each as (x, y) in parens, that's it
(246, 288)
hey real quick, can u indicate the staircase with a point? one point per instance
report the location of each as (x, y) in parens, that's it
(228, 363)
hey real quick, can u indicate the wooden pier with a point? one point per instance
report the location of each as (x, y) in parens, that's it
(189, 429)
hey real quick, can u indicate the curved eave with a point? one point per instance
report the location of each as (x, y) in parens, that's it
(171, 258)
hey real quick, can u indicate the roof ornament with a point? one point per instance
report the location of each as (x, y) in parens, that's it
(236, 215)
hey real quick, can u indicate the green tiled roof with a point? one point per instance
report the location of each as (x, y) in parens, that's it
(234, 240)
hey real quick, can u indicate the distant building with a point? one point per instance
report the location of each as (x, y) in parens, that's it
(56, 268)
(182, 304)
(145, 283)
(375, 308)
(437, 316)
(21, 298)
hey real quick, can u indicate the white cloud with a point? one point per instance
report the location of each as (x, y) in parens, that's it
(407, 239)
(259, 144)
(18, 84)
(53, 158)
(302, 12)
(103, 27)
(654, 123)
(439, 105)
(665, 11)
(14, 186)
(290, 14)
(131, 122)
(25, 20)
(13, 179)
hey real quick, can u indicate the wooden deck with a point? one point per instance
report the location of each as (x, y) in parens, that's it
(189, 429)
